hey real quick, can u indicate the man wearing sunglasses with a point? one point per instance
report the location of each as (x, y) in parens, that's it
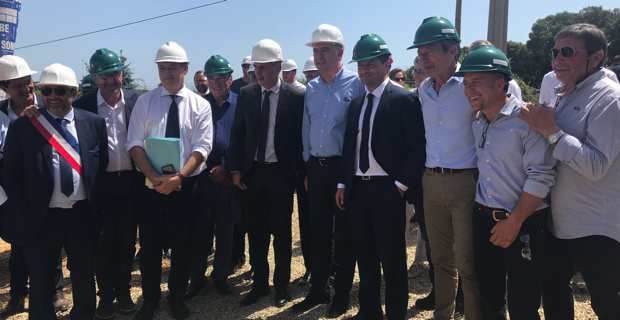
(239, 83)
(118, 185)
(16, 80)
(55, 180)
(516, 174)
(220, 208)
(583, 134)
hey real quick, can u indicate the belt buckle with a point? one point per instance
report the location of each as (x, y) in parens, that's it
(365, 178)
(495, 218)
(322, 162)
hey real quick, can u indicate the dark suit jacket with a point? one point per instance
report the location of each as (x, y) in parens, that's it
(89, 102)
(398, 143)
(28, 172)
(287, 136)
(4, 104)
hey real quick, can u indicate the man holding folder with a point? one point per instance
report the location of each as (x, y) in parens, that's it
(167, 202)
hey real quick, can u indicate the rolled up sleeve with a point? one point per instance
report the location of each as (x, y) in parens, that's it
(539, 166)
(137, 129)
(202, 138)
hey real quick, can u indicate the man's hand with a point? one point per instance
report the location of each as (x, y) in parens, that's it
(540, 118)
(340, 198)
(236, 180)
(169, 184)
(30, 111)
(505, 231)
(220, 175)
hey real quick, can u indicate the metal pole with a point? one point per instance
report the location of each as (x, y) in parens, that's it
(457, 18)
(498, 23)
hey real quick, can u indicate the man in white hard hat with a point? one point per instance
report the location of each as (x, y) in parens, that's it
(289, 72)
(118, 185)
(238, 83)
(264, 154)
(167, 209)
(326, 104)
(16, 80)
(52, 162)
(310, 71)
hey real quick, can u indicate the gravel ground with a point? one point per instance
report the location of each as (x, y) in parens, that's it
(214, 306)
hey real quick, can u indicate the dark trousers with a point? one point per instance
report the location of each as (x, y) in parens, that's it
(326, 223)
(116, 234)
(165, 222)
(303, 212)
(379, 238)
(598, 260)
(240, 229)
(270, 196)
(74, 229)
(515, 272)
(18, 270)
(217, 218)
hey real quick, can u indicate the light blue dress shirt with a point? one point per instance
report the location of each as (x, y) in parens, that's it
(447, 122)
(325, 113)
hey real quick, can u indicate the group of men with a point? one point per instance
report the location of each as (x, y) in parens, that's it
(511, 197)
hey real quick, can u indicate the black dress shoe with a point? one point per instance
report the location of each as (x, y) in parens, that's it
(310, 301)
(305, 279)
(338, 308)
(222, 286)
(459, 309)
(281, 298)
(15, 306)
(426, 303)
(105, 310)
(146, 312)
(178, 310)
(124, 304)
(253, 296)
(196, 287)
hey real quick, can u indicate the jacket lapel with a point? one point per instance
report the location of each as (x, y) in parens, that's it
(83, 134)
(382, 109)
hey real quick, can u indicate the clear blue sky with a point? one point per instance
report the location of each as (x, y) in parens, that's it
(233, 27)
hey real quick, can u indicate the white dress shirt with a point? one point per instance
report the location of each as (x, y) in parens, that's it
(116, 127)
(149, 115)
(274, 97)
(550, 86)
(59, 199)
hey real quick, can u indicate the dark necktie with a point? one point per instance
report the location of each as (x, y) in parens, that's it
(364, 162)
(66, 172)
(263, 127)
(172, 123)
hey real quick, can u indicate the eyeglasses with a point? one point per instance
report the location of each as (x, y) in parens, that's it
(59, 91)
(245, 66)
(399, 79)
(566, 52)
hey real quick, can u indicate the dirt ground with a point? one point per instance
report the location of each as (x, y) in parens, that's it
(214, 306)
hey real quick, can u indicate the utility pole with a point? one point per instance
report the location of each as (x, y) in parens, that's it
(457, 17)
(498, 23)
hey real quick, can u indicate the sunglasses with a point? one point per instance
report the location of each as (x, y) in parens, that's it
(245, 66)
(399, 79)
(59, 91)
(566, 52)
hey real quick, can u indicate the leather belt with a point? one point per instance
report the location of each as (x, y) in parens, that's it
(496, 214)
(372, 178)
(325, 161)
(448, 171)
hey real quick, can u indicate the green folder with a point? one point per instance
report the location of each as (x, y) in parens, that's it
(164, 154)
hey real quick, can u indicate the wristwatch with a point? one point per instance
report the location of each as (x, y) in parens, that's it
(555, 137)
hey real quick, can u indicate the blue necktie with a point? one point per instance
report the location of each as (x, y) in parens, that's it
(364, 161)
(66, 172)
(263, 127)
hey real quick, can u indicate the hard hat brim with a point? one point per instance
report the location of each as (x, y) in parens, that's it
(312, 43)
(27, 74)
(168, 59)
(108, 71)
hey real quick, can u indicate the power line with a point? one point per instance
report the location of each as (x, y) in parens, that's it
(120, 25)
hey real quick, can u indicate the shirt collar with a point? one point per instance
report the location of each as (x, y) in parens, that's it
(378, 91)
(70, 116)
(511, 104)
(101, 100)
(337, 77)
(275, 89)
(182, 93)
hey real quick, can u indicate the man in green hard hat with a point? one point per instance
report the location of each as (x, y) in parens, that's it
(516, 175)
(449, 181)
(220, 210)
(382, 167)
(117, 187)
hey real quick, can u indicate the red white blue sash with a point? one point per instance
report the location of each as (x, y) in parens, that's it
(57, 141)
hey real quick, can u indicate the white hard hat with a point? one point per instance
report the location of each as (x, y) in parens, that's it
(326, 33)
(59, 75)
(14, 67)
(309, 65)
(289, 65)
(265, 51)
(171, 52)
(246, 60)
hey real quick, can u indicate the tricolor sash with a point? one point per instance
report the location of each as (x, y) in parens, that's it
(57, 141)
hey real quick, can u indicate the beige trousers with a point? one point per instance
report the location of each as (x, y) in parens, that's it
(448, 205)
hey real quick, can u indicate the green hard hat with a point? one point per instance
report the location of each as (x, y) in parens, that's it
(434, 29)
(485, 59)
(217, 65)
(369, 46)
(105, 61)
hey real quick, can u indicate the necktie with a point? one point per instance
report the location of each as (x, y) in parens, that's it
(172, 123)
(364, 162)
(66, 172)
(263, 127)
